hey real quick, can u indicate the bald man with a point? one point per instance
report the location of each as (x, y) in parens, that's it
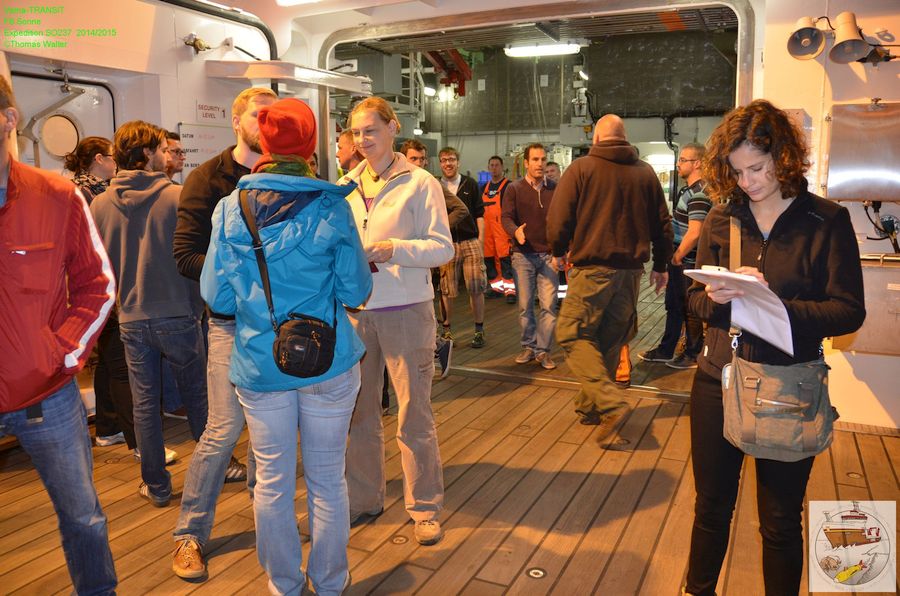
(621, 211)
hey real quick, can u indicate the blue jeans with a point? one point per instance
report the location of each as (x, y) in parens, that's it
(60, 449)
(322, 413)
(206, 473)
(533, 272)
(179, 340)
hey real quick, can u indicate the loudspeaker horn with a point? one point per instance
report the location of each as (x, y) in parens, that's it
(807, 41)
(849, 45)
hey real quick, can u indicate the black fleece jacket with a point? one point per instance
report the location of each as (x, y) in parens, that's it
(811, 262)
(204, 188)
(608, 209)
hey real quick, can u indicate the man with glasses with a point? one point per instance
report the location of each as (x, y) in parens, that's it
(461, 223)
(174, 154)
(468, 254)
(690, 211)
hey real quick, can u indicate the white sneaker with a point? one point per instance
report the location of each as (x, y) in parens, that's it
(110, 440)
(171, 455)
(428, 532)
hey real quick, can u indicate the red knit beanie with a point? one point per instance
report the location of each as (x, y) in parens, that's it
(287, 127)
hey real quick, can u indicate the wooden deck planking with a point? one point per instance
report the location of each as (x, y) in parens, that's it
(526, 487)
(667, 565)
(502, 334)
(586, 565)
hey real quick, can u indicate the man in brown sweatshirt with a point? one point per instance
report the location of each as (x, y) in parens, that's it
(607, 211)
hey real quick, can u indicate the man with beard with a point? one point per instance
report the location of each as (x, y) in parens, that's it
(174, 154)
(691, 209)
(468, 255)
(212, 462)
(159, 311)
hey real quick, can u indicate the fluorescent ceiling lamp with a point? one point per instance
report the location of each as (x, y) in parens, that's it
(429, 91)
(583, 75)
(535, 50)
(417, 131)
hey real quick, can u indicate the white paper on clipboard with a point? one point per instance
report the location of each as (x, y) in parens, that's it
(758, 311)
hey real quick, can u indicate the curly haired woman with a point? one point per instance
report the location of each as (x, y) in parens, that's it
(803, 247)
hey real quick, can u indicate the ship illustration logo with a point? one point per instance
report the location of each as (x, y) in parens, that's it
(852, 546)
(850, 529)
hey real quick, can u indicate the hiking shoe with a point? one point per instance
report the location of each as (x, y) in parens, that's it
(654, 355)
(446, 334)
(608, 422)
(478, 340)
(545, 360)
(171, 455)
(428, 532)
(235, 472)
(358, 518)
(527, 355)
(443, 354)
(144, 492)
(682, 362)
(188, 561)
(110, 440)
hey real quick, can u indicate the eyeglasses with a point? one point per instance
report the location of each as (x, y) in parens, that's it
(448, 160)
(685, 160)
(176, 151)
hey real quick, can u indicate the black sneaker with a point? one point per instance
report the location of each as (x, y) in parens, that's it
(358, 518)
(443, 354)
(654, 355)
(682, 362)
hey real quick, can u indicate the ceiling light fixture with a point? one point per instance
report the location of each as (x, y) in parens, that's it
(546, 49)
(417, 131)
(429, 91)
(584, 76)
(807, 41)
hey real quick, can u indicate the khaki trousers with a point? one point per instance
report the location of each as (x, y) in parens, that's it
(598, 316)
(404, 341)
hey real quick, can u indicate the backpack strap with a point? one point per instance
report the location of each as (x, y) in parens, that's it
(250, 220)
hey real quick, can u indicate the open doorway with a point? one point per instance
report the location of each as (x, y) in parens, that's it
(670, 73)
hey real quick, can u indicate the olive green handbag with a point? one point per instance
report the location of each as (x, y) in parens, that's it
(771, 411)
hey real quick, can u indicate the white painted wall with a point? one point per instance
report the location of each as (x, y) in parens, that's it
(154, 76)
(863, 386)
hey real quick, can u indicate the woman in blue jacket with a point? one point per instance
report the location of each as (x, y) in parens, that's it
(315, 263)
